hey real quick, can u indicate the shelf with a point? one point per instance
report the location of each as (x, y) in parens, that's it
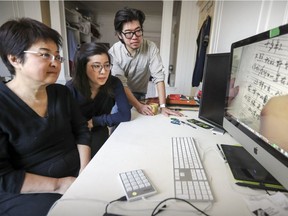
(72, 16)
(79, 30)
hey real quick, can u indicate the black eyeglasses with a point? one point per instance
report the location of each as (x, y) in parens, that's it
(129, 35)
(98, 67)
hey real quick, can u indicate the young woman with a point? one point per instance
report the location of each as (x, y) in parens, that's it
(97, 91)
(44, 140)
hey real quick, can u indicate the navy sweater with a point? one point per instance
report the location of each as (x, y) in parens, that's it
(99, 109)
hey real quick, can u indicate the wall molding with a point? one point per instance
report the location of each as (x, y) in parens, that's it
(216, 27)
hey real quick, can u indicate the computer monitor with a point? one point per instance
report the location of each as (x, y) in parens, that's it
(257, 99)
(215, 77)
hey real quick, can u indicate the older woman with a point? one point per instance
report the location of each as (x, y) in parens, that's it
(44, 140)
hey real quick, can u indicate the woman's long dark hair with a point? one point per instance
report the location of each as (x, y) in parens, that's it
(80, 79)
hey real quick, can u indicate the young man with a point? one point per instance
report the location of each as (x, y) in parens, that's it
(135, 60)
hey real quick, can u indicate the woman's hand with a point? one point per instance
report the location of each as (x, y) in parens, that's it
(90, 124)
(145, 109)
(43, 184)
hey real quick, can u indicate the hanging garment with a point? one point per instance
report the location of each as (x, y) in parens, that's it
(72, 47)
(202, 44)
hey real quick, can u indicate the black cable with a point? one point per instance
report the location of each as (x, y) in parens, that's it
(123, 198)
(160, 210)
(164, 206)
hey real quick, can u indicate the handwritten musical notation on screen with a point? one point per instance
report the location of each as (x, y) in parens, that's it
(262, 73)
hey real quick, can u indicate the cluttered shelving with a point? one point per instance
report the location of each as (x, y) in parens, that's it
(85, 30)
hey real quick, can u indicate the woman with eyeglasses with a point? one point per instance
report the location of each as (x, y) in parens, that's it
(136, 60)
(97, 91)
(44, 140)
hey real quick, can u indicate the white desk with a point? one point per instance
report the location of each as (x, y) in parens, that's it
(145, 143)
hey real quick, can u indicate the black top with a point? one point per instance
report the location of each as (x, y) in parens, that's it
(99, 109)
(39, 145)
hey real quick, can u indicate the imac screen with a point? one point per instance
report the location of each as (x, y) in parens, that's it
(257, 99)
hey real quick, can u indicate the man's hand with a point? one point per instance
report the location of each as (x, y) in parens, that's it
(167, 112)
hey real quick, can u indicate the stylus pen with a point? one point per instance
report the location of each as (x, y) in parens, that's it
(222, 153)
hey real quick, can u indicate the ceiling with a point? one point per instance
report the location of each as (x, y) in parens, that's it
(148, 7)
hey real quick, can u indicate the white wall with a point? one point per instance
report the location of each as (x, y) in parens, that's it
(13, 9)
(5, 10)
(166, 29)
(236, 20)
(243, 19)
(186, 53)
(105, 22)
(273, 14)
(58, 23)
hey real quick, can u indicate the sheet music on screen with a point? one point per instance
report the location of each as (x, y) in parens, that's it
(261, 74)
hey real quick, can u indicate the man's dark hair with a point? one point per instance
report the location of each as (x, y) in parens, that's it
(127, 15)
(19, 35)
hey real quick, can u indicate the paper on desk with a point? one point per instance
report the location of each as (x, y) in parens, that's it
(268, 205)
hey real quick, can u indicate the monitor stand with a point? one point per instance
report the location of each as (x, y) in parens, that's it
(247, 171)
(217, 130)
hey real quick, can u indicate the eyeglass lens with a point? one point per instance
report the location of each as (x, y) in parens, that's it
(47, 56)
(98, 68)
(129, 35)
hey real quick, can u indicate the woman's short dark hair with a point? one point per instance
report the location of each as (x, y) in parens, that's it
(79, 76)
(127, 15)
(20, 34)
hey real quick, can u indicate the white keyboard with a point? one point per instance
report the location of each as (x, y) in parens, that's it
(190, 181)
(136, 184)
